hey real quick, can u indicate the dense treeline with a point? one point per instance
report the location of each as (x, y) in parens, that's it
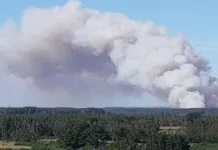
(114, 110)
(102, 129)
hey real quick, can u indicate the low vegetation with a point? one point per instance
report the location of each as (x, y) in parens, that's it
(12, 146)
(203, 146)
(172, 130)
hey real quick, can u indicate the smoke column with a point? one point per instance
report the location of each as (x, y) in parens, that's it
(90, 54)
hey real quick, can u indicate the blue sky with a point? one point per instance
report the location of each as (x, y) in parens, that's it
(196, 20)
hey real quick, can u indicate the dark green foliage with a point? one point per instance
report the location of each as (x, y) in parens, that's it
(48, 146)
(203, 146)
(108, 128)
(82, 133)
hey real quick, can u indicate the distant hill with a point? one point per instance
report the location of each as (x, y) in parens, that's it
(161, 111)
(114, 110)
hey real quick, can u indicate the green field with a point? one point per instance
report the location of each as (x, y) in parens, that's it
(15, 146)
(202, 146)
(171, 129)
(48, 140)
(12, 146)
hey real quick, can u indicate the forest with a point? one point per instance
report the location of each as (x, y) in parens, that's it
(109, 128)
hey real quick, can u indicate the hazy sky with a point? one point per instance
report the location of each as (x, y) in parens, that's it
(196, 20)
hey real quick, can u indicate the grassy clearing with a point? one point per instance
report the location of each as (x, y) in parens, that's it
(171, 129)
(12, 146)
(202, 146)
(48, 140)
(16, 146)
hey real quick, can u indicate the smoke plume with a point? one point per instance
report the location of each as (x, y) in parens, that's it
(90, 54)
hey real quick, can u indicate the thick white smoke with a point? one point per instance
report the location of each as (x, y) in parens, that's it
(89, 53)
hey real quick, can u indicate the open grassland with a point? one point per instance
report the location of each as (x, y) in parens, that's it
(48, 140)
(202, 146)
(171, 129)
(12, 146)
(16, 146)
